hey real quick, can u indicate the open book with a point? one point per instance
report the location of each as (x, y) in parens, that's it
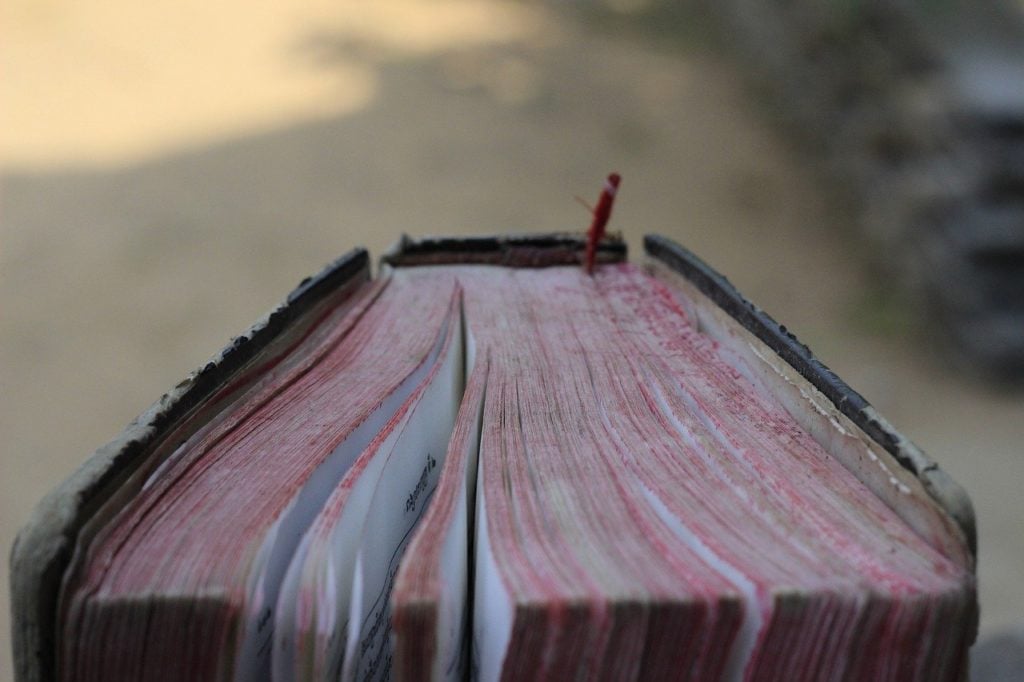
(486, 463)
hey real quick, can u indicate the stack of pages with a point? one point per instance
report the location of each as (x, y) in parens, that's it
(466, 467)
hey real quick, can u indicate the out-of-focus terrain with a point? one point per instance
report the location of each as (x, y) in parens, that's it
(171, 170)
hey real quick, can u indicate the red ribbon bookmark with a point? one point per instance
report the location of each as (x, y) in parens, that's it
(602, 212)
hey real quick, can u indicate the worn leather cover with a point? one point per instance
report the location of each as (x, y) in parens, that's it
(516, 251)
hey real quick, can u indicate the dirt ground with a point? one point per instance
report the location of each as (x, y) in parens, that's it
(171, 170)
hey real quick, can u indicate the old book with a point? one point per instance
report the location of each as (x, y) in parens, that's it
(485, 462)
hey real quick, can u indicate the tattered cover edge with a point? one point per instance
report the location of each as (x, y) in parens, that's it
(45, 544)
(514, 251)
(949, 494)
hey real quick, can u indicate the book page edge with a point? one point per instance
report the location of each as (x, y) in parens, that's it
(782, 350)
(44, 547)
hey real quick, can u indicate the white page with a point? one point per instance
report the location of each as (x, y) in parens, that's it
(453, 610)
(332, 572)
(402, 495)
(285, 617)
(454, 606)
(492, 607)
(253, 659)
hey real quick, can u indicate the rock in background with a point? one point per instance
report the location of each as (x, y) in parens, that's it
(916, 109)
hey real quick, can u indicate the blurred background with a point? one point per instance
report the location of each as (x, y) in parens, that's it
(171, 170)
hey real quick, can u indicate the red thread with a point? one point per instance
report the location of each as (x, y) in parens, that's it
(602, 212)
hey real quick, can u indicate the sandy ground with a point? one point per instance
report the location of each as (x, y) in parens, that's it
(171, 170)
